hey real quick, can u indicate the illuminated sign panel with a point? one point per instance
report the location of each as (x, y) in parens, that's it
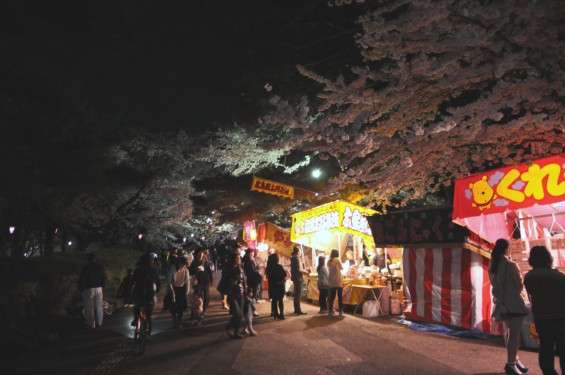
(273, 188)
(336, 216)
(510, 188)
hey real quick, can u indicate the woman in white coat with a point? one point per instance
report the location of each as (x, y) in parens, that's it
(335, 280)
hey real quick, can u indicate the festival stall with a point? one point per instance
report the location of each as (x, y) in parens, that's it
(444, 268)
(525, 204)
(337, 225)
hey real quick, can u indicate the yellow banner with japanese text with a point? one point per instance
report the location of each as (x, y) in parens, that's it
(271, 187)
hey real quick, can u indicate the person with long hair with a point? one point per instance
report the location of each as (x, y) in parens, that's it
(276, 275)
(546, 290)
(506, 291)
(323, 284)
(335, 279)
(236, 291)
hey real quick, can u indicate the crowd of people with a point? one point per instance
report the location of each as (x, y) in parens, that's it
(241, 281)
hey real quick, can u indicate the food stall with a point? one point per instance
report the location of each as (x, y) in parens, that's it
(342, 226)
(444, 267)
(523, 203)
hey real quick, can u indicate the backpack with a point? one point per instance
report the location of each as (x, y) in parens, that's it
(146, 290)
(149, 287)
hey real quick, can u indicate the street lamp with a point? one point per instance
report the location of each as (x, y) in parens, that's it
(140, 236)
(316, 173)
(12, 229)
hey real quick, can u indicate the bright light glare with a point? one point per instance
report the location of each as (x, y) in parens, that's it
(316, 173)
(70, 243)
(12, 229)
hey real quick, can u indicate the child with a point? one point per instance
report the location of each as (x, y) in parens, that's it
(196, 307)
(248, 309)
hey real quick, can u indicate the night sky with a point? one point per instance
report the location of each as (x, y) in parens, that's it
(174, 65)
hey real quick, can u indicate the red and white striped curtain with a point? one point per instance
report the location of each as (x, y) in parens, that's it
(448, 286)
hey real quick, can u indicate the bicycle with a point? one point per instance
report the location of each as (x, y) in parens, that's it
(141, 333)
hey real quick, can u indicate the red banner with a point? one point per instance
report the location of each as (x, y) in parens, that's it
(511, 188)
(250, 234)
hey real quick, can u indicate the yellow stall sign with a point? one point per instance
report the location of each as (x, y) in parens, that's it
(338, 216)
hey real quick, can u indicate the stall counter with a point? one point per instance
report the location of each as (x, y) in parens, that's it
(351, 296)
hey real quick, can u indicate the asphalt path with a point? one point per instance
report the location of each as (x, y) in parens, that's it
(306, 344)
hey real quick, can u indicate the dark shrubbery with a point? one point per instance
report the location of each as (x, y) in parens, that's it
(40, 300)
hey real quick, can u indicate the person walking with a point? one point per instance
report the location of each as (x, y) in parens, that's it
(335, 281)
(196, 308)
(92, 280)
(179, 287)
(248, 312)
(509, 306)
(202, 281)
(297, 273)
(276, 275)
(251, 269)
(238, 286)
(323, 284)
(546, 290)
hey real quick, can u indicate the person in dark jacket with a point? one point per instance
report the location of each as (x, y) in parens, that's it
(237, 287)
(202, 281)
(546, 290)
(297, 273)
(146, 285)
(91, 281)
(125, 290)
(276, 275)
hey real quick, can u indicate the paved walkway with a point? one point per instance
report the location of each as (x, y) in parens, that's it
(307, 344)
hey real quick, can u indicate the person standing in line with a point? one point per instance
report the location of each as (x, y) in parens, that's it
(91, 282)
(276, 275)
(546, 289)
(335, 281)
(179, 287)
(323, 284)
(297, 273)
(506, 291)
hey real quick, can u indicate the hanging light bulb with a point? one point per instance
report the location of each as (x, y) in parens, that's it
(253, 234)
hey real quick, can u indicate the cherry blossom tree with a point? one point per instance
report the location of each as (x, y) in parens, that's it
(447, 88)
